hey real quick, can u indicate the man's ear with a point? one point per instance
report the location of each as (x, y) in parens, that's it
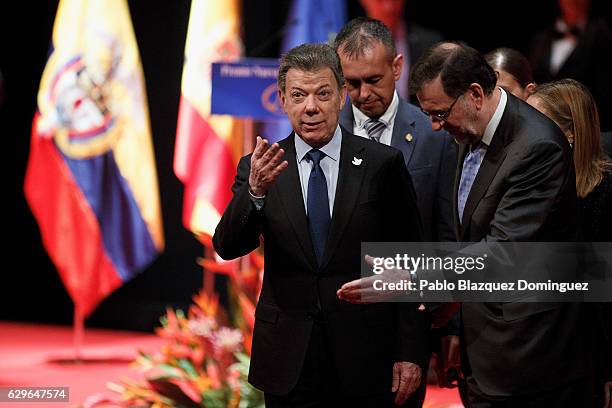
(342, 96)
(476, 92)
(396, 66)
(281, 98)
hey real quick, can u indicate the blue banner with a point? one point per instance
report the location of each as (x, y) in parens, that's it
(246, 89)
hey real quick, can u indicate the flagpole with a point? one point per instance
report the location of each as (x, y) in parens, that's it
(78, 330)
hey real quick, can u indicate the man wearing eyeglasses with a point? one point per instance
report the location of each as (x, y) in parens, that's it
(515, 182)
(371, 67)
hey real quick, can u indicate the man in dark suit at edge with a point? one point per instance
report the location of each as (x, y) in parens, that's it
(314, 197)
(515, 182)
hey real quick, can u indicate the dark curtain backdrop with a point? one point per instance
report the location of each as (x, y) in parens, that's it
(31, 289)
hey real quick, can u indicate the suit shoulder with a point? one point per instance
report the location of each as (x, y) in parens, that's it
(414, 114)
(373, 148)
(537, 127)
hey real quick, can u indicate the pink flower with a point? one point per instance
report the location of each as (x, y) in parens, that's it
(202, 326)
(228, 339)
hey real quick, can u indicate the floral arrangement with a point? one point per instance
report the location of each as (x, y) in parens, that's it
(204, 362)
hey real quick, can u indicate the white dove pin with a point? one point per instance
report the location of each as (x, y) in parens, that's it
(356, 161)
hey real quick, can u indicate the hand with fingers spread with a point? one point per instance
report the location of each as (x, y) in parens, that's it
(266, 165)
(406, 379)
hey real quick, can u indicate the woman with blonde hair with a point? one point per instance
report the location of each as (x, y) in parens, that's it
(572, 107)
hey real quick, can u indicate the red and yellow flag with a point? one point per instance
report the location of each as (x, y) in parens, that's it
(207, 146)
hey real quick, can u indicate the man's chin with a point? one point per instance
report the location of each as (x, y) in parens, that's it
(464, 138)
(315, 138)
(371, 111)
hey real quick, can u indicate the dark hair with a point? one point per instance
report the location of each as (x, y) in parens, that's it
(512, 62)
(359, 34)
(310, 58)
(458, 66)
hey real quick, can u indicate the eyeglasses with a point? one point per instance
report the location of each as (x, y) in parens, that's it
(443, 115)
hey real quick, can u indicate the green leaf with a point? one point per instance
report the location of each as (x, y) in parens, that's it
(214, 399)
(170, 370)
(242, 358)
(187, 367)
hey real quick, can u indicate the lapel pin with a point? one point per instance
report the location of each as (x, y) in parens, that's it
(408, 137)
(356, 161)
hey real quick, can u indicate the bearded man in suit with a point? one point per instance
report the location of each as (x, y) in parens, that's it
(514, 182)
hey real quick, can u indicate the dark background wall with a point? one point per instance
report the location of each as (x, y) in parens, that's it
(30, 287)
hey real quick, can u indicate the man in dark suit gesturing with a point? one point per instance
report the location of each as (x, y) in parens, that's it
(514, 182)
(314, 197)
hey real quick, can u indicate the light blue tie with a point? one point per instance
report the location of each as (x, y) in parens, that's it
(471, 164)
(317, 202)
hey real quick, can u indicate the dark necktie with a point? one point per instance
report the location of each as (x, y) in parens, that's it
(374, 128)
(318, 204)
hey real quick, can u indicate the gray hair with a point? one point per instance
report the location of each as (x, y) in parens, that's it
(359, 35)
(310, 58)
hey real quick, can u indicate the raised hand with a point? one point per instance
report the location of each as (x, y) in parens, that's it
(266, 165)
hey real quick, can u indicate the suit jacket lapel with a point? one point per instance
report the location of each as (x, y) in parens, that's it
(401, 128)
(293, 201)
(350, 178)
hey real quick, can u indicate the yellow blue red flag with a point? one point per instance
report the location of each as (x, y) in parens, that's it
(91, 180)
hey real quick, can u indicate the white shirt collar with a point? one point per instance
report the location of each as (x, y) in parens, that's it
(495, 119)
(331, 149)
(387, 118)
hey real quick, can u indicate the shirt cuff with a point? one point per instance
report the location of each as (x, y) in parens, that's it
(258, 201)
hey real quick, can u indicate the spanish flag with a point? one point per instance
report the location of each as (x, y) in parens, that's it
(207, 146)
(91, 180)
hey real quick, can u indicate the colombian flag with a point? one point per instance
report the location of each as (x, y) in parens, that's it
(91, 180)
(207, 146)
